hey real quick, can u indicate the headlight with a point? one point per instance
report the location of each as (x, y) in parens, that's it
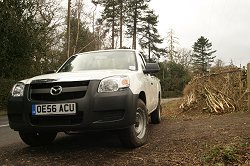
(113, 84)
(17, 90)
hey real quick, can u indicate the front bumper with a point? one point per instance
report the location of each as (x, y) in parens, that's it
(95, 111)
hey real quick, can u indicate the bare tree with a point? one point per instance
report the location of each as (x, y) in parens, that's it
(219, 63)
(172, 41)
(183, 56)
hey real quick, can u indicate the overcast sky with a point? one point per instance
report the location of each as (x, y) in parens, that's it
(226, 23)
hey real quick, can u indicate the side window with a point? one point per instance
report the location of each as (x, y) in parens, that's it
(142, 62)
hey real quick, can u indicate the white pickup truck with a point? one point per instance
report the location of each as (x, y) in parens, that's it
(98, 90)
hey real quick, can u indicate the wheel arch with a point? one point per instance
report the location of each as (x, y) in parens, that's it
(159, 96)
(142, 96)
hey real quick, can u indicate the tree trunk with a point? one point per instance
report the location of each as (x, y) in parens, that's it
(149, 46)
(121, 21)
(113, 25)
(135, 27)
(68, 30)
(172, 47)
(78, 25)
(149, 50)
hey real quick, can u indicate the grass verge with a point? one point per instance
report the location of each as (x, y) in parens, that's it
(228, 155)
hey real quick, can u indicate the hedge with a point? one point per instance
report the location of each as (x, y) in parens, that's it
(5, 88)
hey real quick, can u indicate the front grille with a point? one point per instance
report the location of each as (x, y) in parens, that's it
(63, 96)
(70, 90)
(57, 120)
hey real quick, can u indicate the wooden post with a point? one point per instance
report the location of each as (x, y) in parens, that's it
(248, 84)
(240, 83)
(228, 83)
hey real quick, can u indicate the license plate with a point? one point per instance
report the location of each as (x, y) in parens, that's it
(54, 109)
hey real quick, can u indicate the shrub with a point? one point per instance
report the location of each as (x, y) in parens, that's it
(5, 88)
(173, 78)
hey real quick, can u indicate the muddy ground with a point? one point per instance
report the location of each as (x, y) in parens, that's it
(181, 139)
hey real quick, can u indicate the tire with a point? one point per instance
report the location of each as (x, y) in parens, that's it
(156, 115)
(37, 138)
(136, 135)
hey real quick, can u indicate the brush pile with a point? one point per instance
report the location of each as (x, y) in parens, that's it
(217, 93)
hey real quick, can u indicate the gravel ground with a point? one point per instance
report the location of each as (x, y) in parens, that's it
(181, 139)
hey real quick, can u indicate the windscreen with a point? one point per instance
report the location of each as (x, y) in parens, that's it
(103, 60)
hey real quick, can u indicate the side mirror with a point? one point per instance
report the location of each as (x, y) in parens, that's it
(151, 68)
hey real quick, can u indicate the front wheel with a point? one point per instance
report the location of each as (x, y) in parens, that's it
(37, 138)
(136, 135)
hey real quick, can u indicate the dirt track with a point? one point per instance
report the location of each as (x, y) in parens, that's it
(181, 139)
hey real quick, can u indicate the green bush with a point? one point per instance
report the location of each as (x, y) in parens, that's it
(227, 154)
(174, 77)
(5, 88)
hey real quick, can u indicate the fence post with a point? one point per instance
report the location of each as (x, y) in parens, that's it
(248, 84)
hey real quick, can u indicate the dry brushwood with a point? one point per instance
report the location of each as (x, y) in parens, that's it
(218, 93)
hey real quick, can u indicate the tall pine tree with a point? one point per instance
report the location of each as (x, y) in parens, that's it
(122, 13)
(149, 34)
(135, 13)
(110, 16)
(202, 55)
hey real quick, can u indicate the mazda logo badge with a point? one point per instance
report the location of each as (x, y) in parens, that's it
(56, 90)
